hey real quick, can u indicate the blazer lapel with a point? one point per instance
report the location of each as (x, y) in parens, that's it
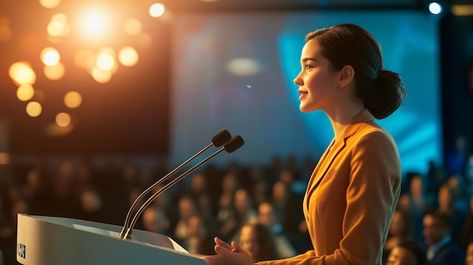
(329, 156)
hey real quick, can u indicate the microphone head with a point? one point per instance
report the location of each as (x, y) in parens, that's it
(221, 138)
(235, 143)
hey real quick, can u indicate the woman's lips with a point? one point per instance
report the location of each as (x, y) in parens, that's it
(302, 94)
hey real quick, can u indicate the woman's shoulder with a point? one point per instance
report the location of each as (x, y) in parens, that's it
(370, 133)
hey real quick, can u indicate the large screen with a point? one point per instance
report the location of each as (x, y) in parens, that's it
(236, 71)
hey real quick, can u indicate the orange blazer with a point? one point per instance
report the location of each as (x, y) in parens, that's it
(351, 198)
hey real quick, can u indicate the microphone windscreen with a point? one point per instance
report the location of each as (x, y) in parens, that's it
(235, 143)
(221, 138)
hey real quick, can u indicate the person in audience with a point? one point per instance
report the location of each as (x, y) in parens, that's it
(398, 231)
(156, 221)
(256, 240)
(186, 208)
(266, 217)
(455, 217)
(198, 240)
(469, 254)
(441, 248)
(407, 253)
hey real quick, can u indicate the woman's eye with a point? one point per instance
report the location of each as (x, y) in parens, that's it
(308, 66)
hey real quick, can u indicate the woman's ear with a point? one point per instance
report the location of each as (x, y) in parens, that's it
(345, 76)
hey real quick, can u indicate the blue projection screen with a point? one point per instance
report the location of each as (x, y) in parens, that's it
(236, 71)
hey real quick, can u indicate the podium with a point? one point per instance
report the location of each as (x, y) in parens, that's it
(45, 240)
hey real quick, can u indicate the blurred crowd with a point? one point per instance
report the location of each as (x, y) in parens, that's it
(259, 206)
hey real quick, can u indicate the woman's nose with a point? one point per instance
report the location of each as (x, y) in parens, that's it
(298, 81)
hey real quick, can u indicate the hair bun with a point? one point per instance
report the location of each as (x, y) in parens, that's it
(386, 94)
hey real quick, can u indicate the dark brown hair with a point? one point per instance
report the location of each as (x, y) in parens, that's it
(380, 90)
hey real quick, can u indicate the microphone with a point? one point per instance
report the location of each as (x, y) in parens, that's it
(234, 144)
(219, 139)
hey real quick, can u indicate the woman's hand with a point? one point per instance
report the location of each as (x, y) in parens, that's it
(228, 254)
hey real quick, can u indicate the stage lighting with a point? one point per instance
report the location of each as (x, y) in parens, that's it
(58, 26)
(95, 23)
(157, 10)
(54, 72)
(50, 56)
(72, 99)
(101, 76)
(34, 109)
(105, 61)
(50, 3)
(128, 56)
(25, 92)
(63, 119)
(435, 8)
(22, 73)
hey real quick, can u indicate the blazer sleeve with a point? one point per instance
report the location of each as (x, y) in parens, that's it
(372, 194)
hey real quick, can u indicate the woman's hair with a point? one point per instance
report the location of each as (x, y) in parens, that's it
(380, 90)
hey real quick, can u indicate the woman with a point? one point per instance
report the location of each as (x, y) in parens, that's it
(354, 189)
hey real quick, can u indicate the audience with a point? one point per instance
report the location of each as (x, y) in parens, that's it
(259, 206)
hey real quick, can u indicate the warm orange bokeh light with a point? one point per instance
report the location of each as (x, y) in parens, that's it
(105, 61)
(50, 3)
(132, 27)
(22, 73)
(50, 56)
(34, 109)
(25, 92)
(58, 26)
(101, 76)
(54, 72)
(95, 23)
(73, 99)
(63, 119)
(128, 56)
(157, 10)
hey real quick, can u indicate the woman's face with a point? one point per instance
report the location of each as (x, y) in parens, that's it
(317, 80)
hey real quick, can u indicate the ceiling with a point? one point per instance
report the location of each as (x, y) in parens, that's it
(248, 5)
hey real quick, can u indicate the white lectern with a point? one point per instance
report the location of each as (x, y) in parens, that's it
(59, 241)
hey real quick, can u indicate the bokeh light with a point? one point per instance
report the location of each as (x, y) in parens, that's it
(58, 26)
(50, 3)
(34, 109)
(25, 92)
(157, 10)
(50, 56)
(243, 66)
(63, 119)
(95, 23)
(101, 76)
(132, 27)
(105, 60)
(128, 56)
(72, 99)
(435, 8)
(22, 73)
(54, 72)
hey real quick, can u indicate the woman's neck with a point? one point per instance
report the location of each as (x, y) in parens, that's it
(344, 114)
